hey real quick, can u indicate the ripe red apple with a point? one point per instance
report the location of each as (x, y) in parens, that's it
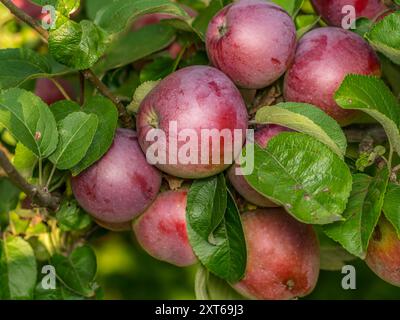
(331, 10)
(161, 229)
(186, 105)
(30, 8)
(323, 58)
(48, 91)
(252, 41)
(283, 256)
(383, 256)
(261, 137)
(121, 185)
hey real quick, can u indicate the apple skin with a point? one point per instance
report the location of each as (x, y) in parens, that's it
(121, 185)
(251, 41)
(115, 227)
(261, 136)
(383, 255)
(283, 256)
(196, 98)
(48, 91)
(323, 58)
(29, 8)
(331, 10)
(161, 229)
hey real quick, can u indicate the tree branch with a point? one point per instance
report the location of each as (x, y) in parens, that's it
(38, 195)
(126, 119)
(21, 15)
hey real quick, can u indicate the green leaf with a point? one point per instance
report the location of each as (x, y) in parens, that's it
(107, 116)
(29, 120)
(156, 70)
(71, 217)
(305, 23)
(303, 175)
(9, 196)
(215, 230)
(76, 135)
(210, 287)
(24, 161)
(308, 119)
(384, 36)
(65, 7)
(291, 6)
(391, 206)
(78, 270)
(362, 213)
(200, 24)
(133, 46)
(20, 65)
(373, 97)
(94, 6)
(116, 16)
(59, 293)
(77, 45)
(17, 269)
(140, 93)
(61, 109)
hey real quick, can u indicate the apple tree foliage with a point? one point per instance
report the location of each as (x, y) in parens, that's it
(315, 172)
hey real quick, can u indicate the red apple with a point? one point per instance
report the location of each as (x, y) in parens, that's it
(261, 137)
(252, 41)
(331, 10)
(283, 256)
(30, 8)
(323, 58)
(121, 185)
(185, 106)
(161, 229)
(383, 256)
(48, 91)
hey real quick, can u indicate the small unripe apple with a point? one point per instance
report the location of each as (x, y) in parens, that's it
(184, 107)
(331, 10)
(161, 229)
(383, 255)
(121, 185)
(282, 256)
(324, 57)
(251, 41)
(261, 137)
(48, 91)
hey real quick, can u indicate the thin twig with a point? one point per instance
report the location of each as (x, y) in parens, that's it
(82, 87)
(21, 15)
(126, 119)
(38, 195)
(61, 89)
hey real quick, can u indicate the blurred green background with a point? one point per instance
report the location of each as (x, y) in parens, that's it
(127, 272)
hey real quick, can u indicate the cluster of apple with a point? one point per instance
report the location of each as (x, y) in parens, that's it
(251, 44)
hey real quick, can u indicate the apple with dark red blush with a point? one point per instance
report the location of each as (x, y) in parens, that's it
(324, 57)
(121, 185)
(193, 107)
(161, 229)
(251, 41)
